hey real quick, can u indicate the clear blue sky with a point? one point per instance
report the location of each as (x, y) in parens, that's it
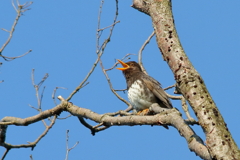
(62, 35)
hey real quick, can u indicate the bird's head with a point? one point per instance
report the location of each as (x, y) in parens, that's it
(129, 67)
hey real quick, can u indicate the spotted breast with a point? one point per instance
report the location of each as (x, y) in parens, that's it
(140, 97)
(143, 90)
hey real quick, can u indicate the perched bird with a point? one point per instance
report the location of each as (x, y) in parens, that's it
(143, 90)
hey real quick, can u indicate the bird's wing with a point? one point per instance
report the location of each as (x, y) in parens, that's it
(155, 87)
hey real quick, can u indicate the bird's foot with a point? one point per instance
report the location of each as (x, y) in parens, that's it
(143, 112)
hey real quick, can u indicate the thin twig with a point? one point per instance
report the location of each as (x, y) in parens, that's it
(190, 120)
(98, 26)
(141, 49)
(129, 109)
(65, 117)
(39, 99)
(115, 64)
(97, 128)
(122, 113)
(169, 87)
(83, 122)
(101, 128)
(5, 30)
(123, 59)
(126, 57)
(31, 144)
(69, 149)
(82, 84)
(117, 90)
(14, 6)
(12, 58)
(19, 11)
(13, 27)
(111, 87)
(100, 52)
(102, 49)
(94, 65)
(54, 93)
(5, 153)
(108, 26)
(100, 124)
(33, 107)
(43, 80)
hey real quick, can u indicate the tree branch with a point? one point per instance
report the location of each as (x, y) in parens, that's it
(167, 117)
(67, 148)
(170, 117)
(219, 140)
(102, 50)
(54, 93)
(20, 9)
(30, 144)
(141, 50)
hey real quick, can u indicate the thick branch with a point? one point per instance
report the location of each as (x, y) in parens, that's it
(219, 139)
(166, 117)
(26, 121)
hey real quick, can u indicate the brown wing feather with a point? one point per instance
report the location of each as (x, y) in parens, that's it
(157, 90)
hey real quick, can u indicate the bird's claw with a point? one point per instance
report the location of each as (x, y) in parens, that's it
(143, 112)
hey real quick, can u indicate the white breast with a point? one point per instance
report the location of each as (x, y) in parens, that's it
(138, 98)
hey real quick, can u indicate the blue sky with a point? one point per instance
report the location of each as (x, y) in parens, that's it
(62, 36)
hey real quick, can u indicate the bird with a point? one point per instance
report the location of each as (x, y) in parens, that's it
(143, 90)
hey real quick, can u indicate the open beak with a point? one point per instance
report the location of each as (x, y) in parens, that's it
(125, 66)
